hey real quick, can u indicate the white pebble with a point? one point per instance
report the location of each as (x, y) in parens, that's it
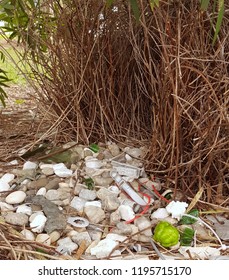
(4, 186)
(96, 203)
(28, 234)
(126, 212)
(116, 237)
(61, 170)
(43, 238)
(160, 213)
(16, 197)
(93, 163)
(38, 223)
(104, 248)
(41, 191)
(66, 246)
(78, 203)
(54, 236)
(29, 165)
(7, 178)
(24, 209)
(143, 223)
(32, 217)
(87, 194)
(6, 207)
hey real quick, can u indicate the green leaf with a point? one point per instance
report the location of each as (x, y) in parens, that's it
(186, 237)
(94, 148)
(109, 3)
(219, 21)
(187, 220)
(135, 9)
(204, 4)
(154, 3)
(89, 183)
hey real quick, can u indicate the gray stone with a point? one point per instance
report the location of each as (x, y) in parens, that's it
(18, 219)
(95, 214)
(53, 184)
(87, 194)
(82, 236)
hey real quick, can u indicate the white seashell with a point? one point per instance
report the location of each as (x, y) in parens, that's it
(61, 170)
(41, 191)
(43, 238)
(15, 197)
(7, 178)
(78, 222)
(28, 234)
(126, 212)
(29, 165)
(38, 223)
(24, 209)
(160, 213)
(4, 186)
(104, 248)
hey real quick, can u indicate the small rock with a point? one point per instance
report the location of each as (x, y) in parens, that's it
(95, 214)
(123, 228)
(78, 203)
(78, 188)
(87, 194)
(29, 165)
(5, 207)
(32, 217)
(47, 169)
(4, 187)
(28, 234)
(115, 217)
(104, 248)
(66, 246)
(93, 163)
(38, 223)
(114, 149)
(24, 209)
(111, 203)
(93, 203)
(59, 194)
(160, 213)
(41, 191)
(43, 238)
(39, 183)
(53, 184)
(7, 178)
(54, 236)
(95, 234)
(16, 197)
(61, 170)
(143, 223)
(126, 212)
(100, 181)
(18, 219)
(82, 236)
(116, 237)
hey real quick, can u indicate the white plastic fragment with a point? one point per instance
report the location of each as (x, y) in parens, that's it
(177, 209)
(61, 170)
(104, 248)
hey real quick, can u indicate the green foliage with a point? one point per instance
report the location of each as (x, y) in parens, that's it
(188, 220)
(94, 147)
(89, 183)
(186, 237)
(3, 81)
